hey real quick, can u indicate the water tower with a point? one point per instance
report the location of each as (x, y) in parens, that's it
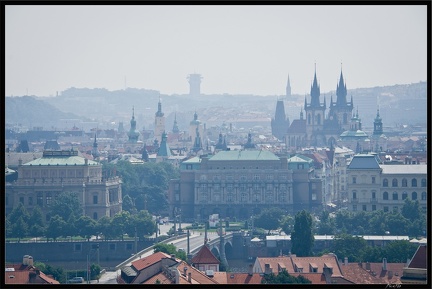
(194, 84)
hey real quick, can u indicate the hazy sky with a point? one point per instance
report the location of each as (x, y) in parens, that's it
(236, 49)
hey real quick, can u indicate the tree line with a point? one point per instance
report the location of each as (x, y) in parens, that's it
(67, 221)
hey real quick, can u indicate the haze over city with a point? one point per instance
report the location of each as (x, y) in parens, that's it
(237, 49)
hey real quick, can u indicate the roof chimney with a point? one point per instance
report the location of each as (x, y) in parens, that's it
(184, 270)
(368, 267)
(25, 259)
(384, 266)
(189, 277)
(390, 274)
(250, 271)
(30, 261)
(327, 274)
(346, 261)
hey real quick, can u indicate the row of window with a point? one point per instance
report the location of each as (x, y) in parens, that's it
(282, 197)
(374, 208)
(404, 183)
(395, 182)
(395, 196)
(111, 246)
(255, 177)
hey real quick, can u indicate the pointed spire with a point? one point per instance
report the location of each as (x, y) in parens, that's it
(305, 104)
(301, 114)
(133, 112)
(288, 87)
(315, 92)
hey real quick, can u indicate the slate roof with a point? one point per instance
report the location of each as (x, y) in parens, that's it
(297, 126)
(364, 162)
(204, 256)
(247, 155)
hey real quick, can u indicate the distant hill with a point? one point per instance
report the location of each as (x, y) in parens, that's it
(33, 112)
(398, 104)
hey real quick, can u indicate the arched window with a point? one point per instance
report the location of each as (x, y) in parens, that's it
(414, 183)
(395, 196)
(385, 196)
(404, 182)
(423, 196)
(404, 195)
(423, 183)
(385, 183)
(394, 183)
(414, 196)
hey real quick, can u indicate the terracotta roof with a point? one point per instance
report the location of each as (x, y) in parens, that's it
(22, 274)
(197, 277)
(319, 262)
(419, 258)
(315, 278)
(244, 278)
(149, 260)
(376, 275)
(161, 277)
(204, 256)
(274, 263)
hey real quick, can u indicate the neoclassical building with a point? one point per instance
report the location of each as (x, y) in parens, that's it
(374, 186)
(42, 179)
(241, 183)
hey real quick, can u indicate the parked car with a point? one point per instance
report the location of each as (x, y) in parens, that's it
(76, 280)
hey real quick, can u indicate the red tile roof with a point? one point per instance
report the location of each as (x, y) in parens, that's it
(161, 277)
(376, 275)
(23, 274)
(204, 256)
(149, 260)
(243, 278)
(197, 277)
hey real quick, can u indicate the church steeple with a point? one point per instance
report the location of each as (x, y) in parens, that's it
(378, 127)
(95, 152)
(159, 112)
(133, 133)
(288, 88)
(315, 92)
(175, 126)
(341, 92)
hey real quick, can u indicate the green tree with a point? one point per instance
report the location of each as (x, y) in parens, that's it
(399, 251)
(56, 227)
(8, 228)
(121, 223)
(65, 204)
(284, 277)
(128, 204)
(19, 229)
(302, 238)
(86, 227)
(269, 219)
(36, 223)
(346, 245)
(396, 224)
(95, 270)
(144, 224)
(104, 227)
(287, 224)
(57, 272)
(326, 225)
(411, 210)
(169, 249)
(19, 212)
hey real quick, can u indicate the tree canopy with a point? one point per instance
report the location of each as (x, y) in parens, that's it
(302, 237)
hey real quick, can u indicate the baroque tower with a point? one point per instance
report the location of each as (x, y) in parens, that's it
(159, 126)
(133, 134)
